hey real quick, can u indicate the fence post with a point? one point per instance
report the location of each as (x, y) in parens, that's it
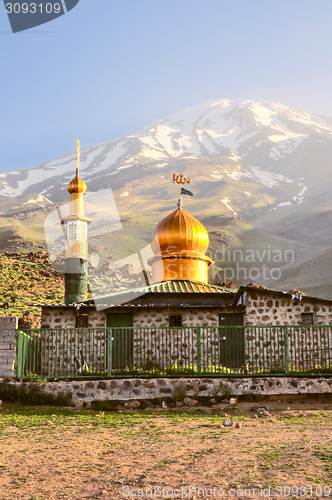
(18, 358)
(109, 351)
(286, 350)
(198, 343)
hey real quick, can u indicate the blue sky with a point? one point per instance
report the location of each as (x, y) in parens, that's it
(108, 67)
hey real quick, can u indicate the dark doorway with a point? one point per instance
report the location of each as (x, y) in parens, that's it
(231, 340)
(123, 341)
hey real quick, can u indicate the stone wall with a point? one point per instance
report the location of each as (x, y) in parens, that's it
(191, 316)
(156, 345)
(140, 389)
(308, 348)
(270, 308)
(172, 347)
(70, 352)
(65, 317)
(152, 348)
(8, 326)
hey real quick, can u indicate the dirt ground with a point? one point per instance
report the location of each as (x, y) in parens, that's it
(49, 453)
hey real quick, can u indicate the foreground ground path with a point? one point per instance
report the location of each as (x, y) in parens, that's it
(51, 454)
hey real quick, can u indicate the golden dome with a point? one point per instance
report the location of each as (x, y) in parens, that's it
(76, 185)
(181, 233)
(179, 243)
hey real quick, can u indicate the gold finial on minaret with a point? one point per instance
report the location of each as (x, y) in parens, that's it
(77, 187)
(78, 156)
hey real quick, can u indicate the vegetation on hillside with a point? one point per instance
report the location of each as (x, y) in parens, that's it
(27, 279)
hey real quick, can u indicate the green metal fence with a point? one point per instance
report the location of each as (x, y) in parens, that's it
(174, 351)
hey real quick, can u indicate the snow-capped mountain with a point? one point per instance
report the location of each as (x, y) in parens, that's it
(265, 164)
(255, 141)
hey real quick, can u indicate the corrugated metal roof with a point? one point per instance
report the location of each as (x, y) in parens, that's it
(185, 287)
(173, 286)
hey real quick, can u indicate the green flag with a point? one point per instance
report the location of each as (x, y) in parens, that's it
(185, 191)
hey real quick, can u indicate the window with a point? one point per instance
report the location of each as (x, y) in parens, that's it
(82, 321)
(72, 231)
(175, 320)
(82, 232)
(307, 318)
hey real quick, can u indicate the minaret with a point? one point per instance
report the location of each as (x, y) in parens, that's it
(76, 246)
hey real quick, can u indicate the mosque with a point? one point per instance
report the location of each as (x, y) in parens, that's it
(179, 294)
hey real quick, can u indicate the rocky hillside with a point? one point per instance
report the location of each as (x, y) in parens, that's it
(28, 278)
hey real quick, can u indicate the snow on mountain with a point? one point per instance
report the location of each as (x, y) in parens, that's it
(255, 141)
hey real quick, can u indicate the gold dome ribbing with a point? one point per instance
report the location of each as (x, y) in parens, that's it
(179, 242)
(76, 185)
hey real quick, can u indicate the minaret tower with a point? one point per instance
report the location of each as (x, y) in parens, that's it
(76, 246)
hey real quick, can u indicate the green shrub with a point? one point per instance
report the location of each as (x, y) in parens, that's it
(250, 396)
(31, 395)
(179, 393)
(226, 391)
(105, 405)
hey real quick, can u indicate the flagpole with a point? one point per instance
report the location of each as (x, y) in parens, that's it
(180, 199)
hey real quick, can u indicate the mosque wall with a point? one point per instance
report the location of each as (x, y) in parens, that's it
(155, 343)
(270, 308)
(158, 345)
(307, 347)
(57, 317)
(147, 317)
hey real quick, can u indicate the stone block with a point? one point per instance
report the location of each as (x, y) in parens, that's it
(165, 390)
(7, 373)
(6, 355)
(149, 385)
(6, 346)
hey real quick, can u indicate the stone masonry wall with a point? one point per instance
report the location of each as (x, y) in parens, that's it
(191, 316)
(265, 347)
(57, 317)
(167, 348)
(272, 309)
(140, 389)
(170, 346)
(8, 326)
(69, 352)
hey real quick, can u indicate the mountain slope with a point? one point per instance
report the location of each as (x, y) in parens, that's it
(260, 174)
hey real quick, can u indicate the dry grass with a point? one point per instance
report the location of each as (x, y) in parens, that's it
(81, 454)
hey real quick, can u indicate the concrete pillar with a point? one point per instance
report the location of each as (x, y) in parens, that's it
(8, 327)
